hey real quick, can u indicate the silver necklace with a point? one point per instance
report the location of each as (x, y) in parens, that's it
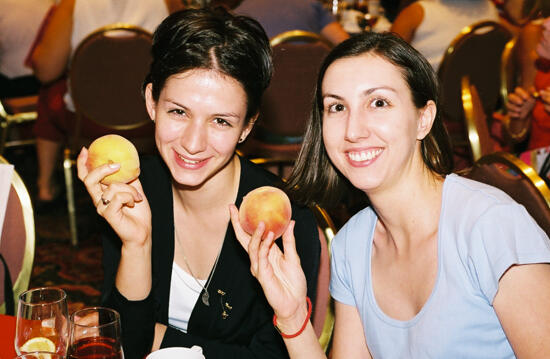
(205, 297)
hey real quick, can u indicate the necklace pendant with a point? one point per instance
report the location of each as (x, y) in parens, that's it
(205, 297)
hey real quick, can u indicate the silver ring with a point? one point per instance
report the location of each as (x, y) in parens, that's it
(105, 201)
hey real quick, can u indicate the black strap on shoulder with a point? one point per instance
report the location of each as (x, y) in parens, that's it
(8, 289)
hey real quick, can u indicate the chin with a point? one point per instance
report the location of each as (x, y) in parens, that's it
(189, 181)
(365, 181)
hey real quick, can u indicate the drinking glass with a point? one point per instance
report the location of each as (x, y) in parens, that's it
(42, 321)
(95, 333)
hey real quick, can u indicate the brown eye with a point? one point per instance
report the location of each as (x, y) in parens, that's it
(221, 122)
(379, 103)
(177, 111)
(337, 107)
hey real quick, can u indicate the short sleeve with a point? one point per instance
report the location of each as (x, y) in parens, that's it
(503, 236)
(340, 276)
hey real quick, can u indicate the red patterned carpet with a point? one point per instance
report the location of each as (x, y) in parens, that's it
(75, 270)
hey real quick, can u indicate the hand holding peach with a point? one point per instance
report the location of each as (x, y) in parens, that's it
(114, 149)
(265, 204)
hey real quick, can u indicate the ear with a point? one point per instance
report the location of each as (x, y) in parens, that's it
(426, 120)
(150, 104)
(248, 127)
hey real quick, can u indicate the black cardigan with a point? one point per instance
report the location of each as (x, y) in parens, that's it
(248, 331)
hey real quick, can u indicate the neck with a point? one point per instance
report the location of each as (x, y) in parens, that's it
(410, 209)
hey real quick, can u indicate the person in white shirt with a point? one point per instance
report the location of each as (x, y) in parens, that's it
(431, 25)
(19, 25)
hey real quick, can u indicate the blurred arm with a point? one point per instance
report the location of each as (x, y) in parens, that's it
(335, 33)
(174, 5)
(407, 21)
(51, 55)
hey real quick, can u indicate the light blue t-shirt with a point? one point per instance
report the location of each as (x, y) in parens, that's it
(482, 232)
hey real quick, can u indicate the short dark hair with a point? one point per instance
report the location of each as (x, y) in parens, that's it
(314, 178)
(214, 39)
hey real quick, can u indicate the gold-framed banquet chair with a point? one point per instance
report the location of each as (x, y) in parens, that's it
(286, 104)
(519, 180)
(476, 52)
(17, 244)
(16, 113)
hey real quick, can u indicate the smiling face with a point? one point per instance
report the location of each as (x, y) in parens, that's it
(199, 118)
(371, 127)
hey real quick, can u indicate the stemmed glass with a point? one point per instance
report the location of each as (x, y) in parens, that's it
(42, 321)
(95, 333)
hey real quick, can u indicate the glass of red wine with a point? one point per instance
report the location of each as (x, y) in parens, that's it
(95, 333)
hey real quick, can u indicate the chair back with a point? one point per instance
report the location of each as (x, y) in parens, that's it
(279, 166)
(286, 104)
(19, 112)
(476, 52)
(17, 240)
(105, 77)
(519, 180)
(323, 317)
(476, 121)
(509, 71)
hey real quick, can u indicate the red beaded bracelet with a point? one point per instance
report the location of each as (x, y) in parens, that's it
(290, 336)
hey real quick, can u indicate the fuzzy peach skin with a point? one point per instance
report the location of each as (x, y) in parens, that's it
(268, 204)
(114, 149)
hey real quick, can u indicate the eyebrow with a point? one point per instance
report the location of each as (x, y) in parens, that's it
(364, 93)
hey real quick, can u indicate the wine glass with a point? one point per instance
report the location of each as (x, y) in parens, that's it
(95, 333)
(42, 321)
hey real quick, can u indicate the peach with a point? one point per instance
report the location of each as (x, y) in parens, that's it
(114, 149)
(265, 204)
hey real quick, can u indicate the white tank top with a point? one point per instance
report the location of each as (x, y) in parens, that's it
(184, 293)
(443, 20)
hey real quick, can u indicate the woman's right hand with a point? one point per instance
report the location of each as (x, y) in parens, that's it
(520, 104)
(280, 274)
(124, 206)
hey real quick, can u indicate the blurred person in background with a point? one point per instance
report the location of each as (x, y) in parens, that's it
(431, 25)
(278, 16)
(20, 22)
(70, 23)
(529, 106)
